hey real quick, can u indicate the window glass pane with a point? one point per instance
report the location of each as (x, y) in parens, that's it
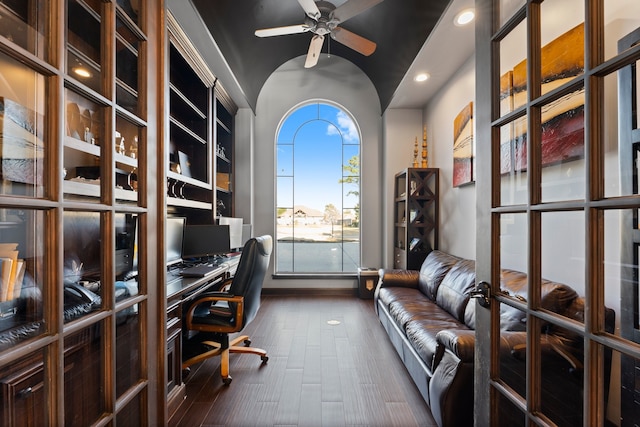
(621, 17)
(285, 160)
(25, 23)
(84, 129)
(84, 390)
(82, 264)
(22, 131)
(562, 363)
(563, 262)
(562, 39)
(22, 242)
(508, 8)
(128, 347)
(513, 69)
(84, 55)
(562, 145)
(318, 176)
(513, 162)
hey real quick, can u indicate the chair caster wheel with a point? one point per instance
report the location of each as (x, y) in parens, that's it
(185, 373)
(265, 359)
(247, 343)
(226, 381)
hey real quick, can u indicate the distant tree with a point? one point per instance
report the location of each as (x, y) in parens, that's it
(352, 174)
(331, 214)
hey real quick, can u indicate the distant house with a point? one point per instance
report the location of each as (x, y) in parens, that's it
(301, 215)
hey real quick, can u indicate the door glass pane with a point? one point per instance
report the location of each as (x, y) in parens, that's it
(22, 242)
(82, 264)
(127, 47)
(562, 145)
(563, 263)
(25, 23)
(562, 368)
(131, 414)
(614, 184)
(84, 390)
(510, 415)
(622, 403)
(508, 8)
(128, 347)
(126, 229)
(513, 69)
(513, 163)
(128, 144)
(22, 129)
(621, 17)
(562, 39)
(84, 137)
(84, 54)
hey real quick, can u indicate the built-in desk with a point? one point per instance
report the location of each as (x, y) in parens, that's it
(181, 290)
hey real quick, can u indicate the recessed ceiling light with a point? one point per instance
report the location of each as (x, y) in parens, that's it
(421, 77)
(82, 72)
(464, 17)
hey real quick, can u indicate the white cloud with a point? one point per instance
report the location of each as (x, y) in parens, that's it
(346, 128)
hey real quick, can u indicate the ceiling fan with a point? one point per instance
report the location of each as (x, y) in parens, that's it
(323, 18)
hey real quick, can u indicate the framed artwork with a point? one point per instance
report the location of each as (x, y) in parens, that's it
(463, 147)
(562, 130)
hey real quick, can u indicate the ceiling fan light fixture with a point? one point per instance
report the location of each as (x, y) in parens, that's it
(421, 77)
(464, 17)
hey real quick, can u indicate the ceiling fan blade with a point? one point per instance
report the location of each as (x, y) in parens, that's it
(353, 41)
(351, 8)
(314, 51)
(310, 8)
(280, 31)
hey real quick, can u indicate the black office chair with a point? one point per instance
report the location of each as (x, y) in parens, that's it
(217, 314)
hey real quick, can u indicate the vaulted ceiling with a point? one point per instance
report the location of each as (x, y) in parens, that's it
(398, 27)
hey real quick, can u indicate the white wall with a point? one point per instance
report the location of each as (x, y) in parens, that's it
(401, 127)
(457, 205)
(339, 81)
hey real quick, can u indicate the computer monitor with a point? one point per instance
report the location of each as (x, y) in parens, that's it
(235, 231)
(173, 237)
(205, 240)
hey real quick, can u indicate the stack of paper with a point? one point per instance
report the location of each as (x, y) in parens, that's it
(11, 272)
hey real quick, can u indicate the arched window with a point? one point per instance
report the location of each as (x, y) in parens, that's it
(318, 191)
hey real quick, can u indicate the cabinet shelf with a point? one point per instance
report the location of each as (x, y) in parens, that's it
(415, 216)
(186, 130)
(87, 189)
(82, 146)
(179, 96)
(190, 181)
(186, 203)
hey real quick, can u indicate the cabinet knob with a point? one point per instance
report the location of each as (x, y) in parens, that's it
(25, 392)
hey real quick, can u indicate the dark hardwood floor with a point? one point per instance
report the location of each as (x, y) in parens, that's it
(317, 375)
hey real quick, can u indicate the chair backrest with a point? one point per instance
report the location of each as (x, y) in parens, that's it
(250, 274)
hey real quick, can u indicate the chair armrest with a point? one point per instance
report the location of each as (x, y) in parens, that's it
(398, 277)
(215, 296)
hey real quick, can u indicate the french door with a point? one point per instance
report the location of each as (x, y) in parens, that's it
(558, 199)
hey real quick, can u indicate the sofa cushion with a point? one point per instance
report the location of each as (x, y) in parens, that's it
(422, 334)
(433, 270)
(453, 293)
(387, 296)
(403, 312)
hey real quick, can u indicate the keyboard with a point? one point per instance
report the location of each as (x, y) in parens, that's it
(199, 270)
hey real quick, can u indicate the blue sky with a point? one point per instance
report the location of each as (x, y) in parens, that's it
(310, 147)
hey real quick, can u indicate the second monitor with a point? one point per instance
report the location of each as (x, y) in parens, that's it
(205, 240)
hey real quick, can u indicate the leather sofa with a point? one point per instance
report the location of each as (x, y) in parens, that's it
(430, 319)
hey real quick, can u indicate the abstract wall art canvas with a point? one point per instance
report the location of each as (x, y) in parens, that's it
(463, 147)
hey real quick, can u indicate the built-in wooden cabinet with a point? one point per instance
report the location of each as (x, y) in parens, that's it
(415, 216)
(78, 218)
(200, 152)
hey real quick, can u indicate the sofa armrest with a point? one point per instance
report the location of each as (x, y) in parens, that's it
(398, 277)
(460, 342)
